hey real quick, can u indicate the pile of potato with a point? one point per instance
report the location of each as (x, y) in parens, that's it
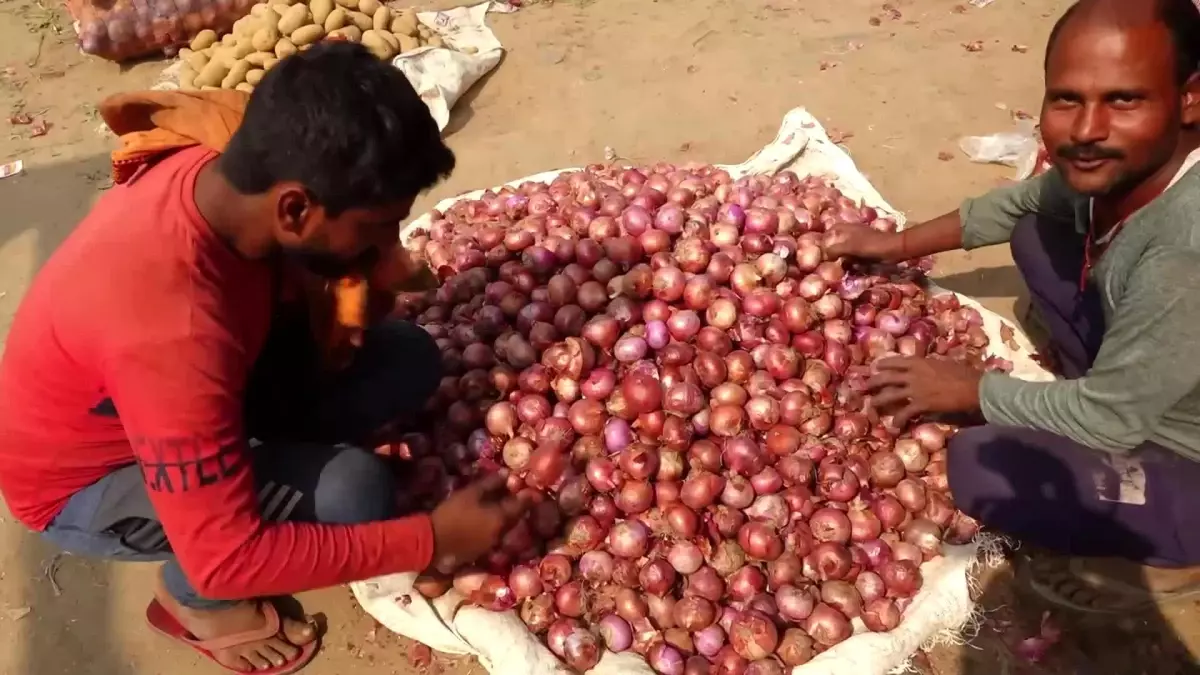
(279, 28)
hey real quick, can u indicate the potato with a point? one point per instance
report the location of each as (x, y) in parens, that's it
(212, 74)
(381, 19)
(336, 19)
(226, 55)
(390, 39)
(270, 62)
(246, 26)
(368, 7)
(264, 38)
(187, 77)
(296, 16)
(236, 74)
(284, 48)
(407, 43)
(306, 35)
(209, 88)
(374, 42)
(364, 22)
(229, 39)
(320, 10)
(255, 75)
(259, 59)
(423, 31)
(246, 87)
(348, 4)
(244, 47)
(348, 33)
(436, 41)
(204, 39)
(263, 11)
(195, 60)
(405, 23)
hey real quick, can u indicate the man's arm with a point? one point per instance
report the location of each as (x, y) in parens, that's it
(180, 404)
(981, 221)
(990, 219)
(1145, 366)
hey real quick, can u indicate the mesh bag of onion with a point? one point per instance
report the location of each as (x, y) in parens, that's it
(662, 356)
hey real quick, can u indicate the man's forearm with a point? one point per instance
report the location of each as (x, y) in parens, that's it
(939, 235)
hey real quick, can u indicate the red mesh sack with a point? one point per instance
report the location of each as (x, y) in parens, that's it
(118, 30)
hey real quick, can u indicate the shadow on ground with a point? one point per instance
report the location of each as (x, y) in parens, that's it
(988, 282)
(41, 206)
(1142, 642)
(68, 628)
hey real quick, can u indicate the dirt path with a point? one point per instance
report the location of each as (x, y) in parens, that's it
(670, 79)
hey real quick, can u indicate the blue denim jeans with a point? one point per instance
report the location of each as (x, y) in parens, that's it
(304, 461)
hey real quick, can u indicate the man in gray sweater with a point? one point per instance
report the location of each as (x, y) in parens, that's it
(1105, 461)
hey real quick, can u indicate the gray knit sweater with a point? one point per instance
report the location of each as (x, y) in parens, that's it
(1144, 383)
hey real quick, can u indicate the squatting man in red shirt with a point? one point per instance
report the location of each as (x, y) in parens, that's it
(152, 348)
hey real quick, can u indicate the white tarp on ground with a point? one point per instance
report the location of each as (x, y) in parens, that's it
(441, 75)
(943, 607)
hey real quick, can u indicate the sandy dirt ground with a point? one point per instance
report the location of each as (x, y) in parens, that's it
(655, 80)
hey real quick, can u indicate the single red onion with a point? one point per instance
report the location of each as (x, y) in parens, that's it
(616, 633)
(753, 636)
(795, 604)
(685, 557)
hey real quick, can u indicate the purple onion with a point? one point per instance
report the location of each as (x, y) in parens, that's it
(617, 434)
(709, 640)
(656, 334)
(629, 348)
(616, 633)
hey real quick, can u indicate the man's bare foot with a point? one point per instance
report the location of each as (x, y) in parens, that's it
(240, 618)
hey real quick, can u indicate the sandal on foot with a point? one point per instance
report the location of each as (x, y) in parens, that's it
(1070, 584)
(165, 623)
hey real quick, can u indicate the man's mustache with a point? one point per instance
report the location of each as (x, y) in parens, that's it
(1089, 152)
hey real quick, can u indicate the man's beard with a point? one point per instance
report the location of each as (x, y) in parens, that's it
(329, 266)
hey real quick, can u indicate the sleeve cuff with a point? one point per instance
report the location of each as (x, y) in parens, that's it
(969, 240)
(996, 393)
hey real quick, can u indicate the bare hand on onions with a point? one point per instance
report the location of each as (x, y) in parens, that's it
(674, 375)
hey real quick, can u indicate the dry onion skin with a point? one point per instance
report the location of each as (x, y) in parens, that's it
(664, 360)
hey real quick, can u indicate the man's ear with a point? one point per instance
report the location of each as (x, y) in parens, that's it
(295, 211)
(1191, 101)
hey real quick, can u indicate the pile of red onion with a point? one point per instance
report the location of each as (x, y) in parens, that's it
(664, 360)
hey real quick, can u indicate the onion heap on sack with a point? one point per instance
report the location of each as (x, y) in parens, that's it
(665, 361)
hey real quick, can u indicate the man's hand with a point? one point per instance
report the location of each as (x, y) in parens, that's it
(912, 386)
(398, 271)
(862, 243)
(472, 520)
(423, 279)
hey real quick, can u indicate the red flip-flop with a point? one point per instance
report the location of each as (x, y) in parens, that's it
(165, 623)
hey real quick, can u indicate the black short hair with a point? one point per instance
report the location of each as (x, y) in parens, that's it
(344, 124)
(1182, 19)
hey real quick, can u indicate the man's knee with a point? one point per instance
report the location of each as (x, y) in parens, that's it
(355, 487)
(1026, 242)
(409, 355)
(975, 481)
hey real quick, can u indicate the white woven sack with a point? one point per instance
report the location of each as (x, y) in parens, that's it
(939, 612)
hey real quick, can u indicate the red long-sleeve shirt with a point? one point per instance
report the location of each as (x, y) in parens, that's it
(133, 344)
